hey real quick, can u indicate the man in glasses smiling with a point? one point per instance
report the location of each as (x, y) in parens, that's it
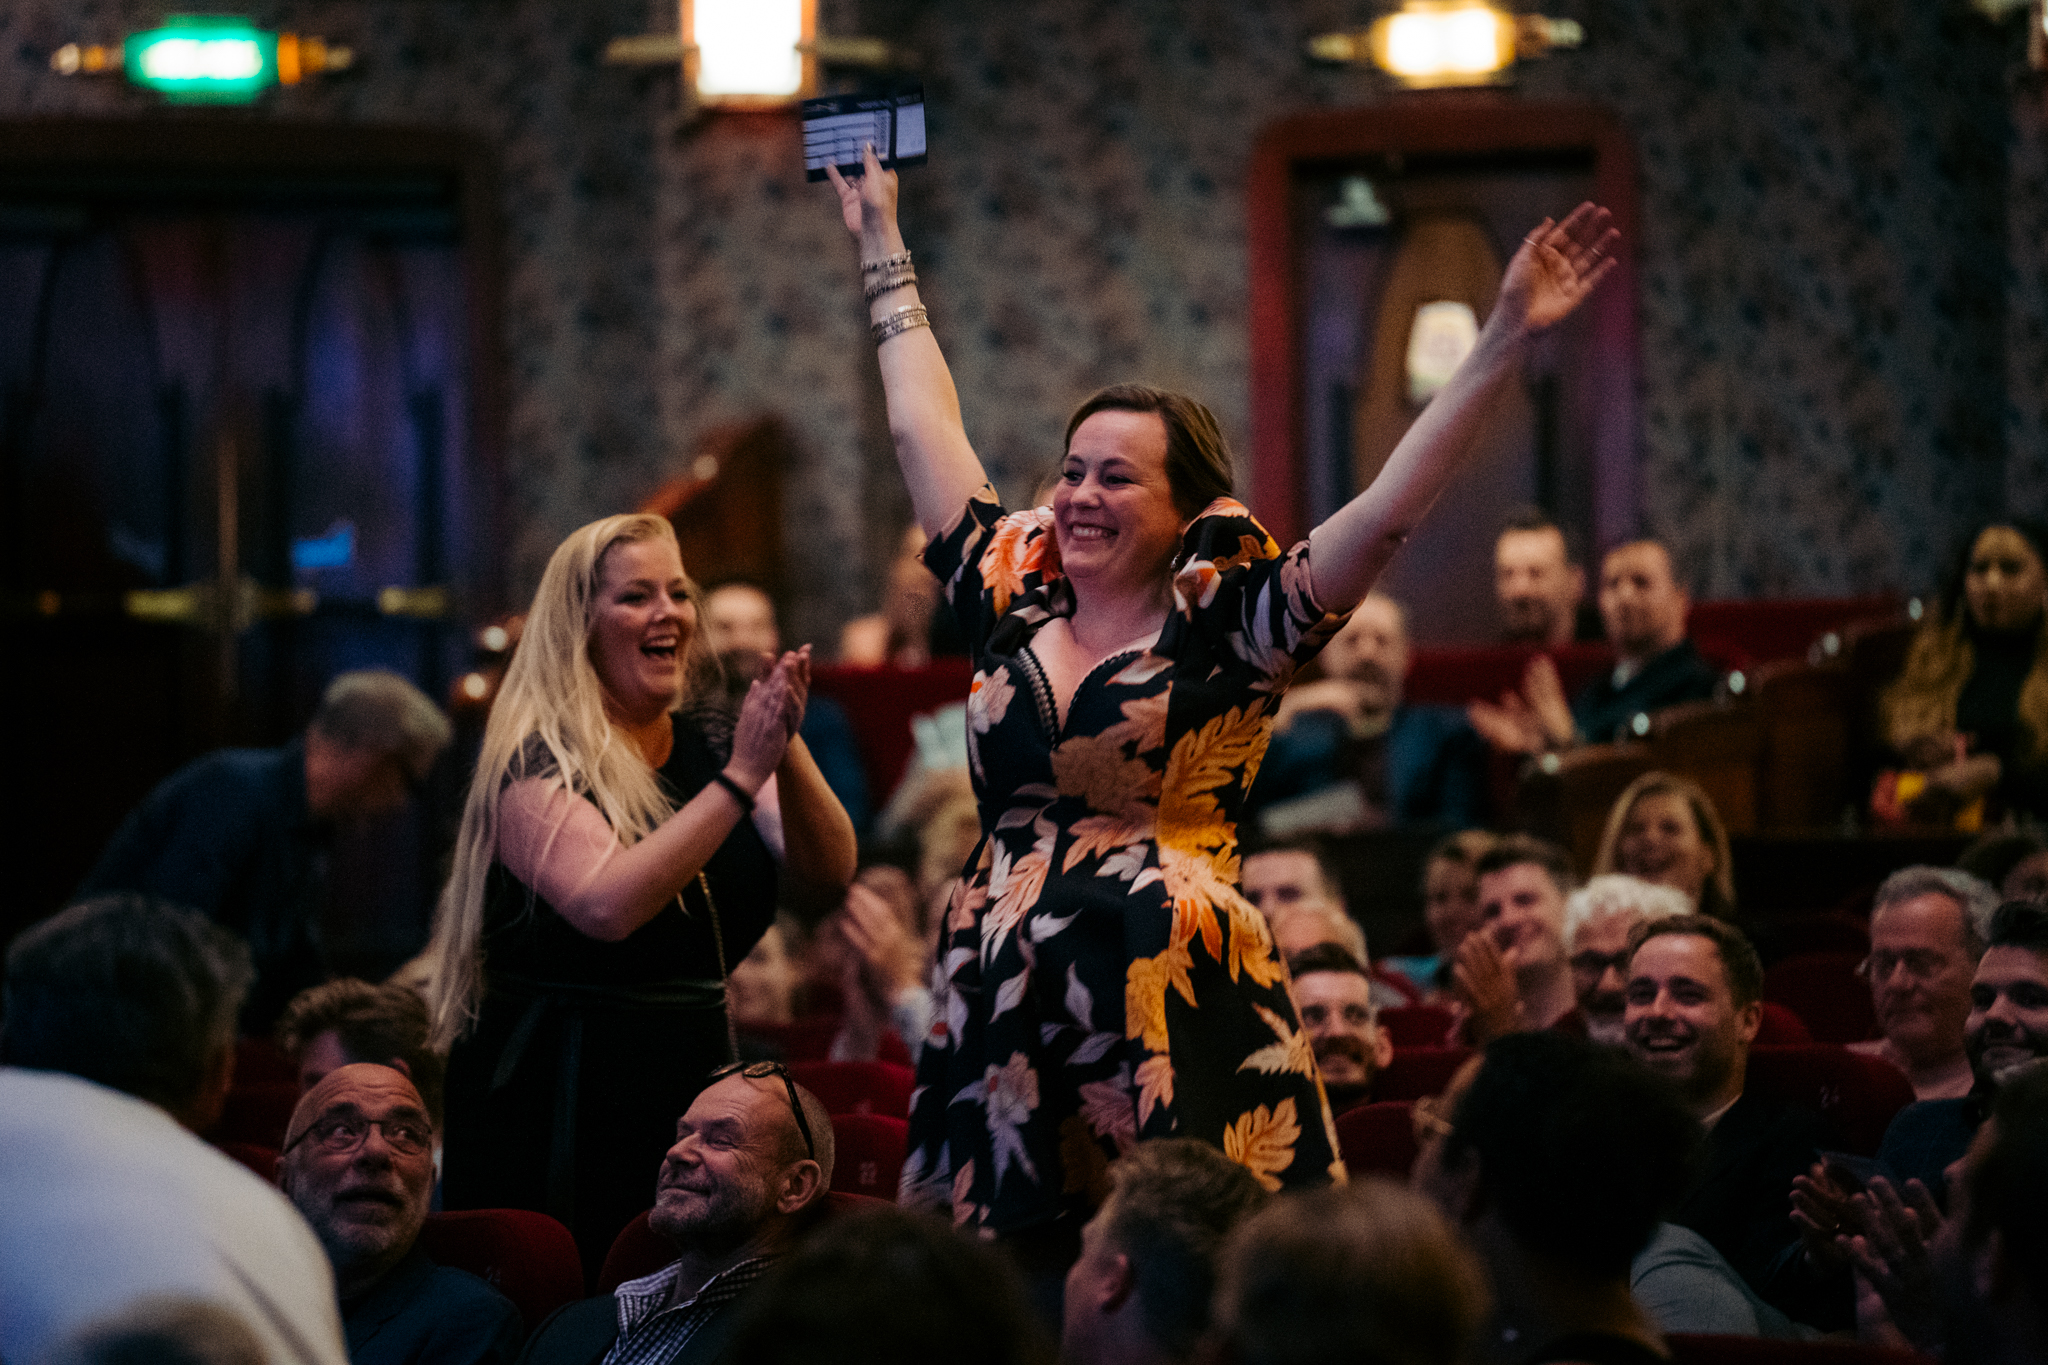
(358, 1163)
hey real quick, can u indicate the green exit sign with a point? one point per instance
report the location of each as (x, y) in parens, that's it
(203, 59)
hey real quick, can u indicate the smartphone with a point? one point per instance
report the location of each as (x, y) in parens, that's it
(836, 127)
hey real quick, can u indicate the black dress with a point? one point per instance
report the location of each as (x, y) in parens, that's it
(564, 1095)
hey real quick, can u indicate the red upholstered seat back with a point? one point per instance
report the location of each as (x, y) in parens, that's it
(1755, 632)
(1416, 1025)
(809, 1039)
(858, 1087)
(1456, 675)
(1689, 1349)
(1782, 1028)
(257, 1113)
(1378, 1139)
(1855, 1096)
(1419, 1071)
(880, 703)
(526, 1256)
(1824, 990)
(868, 1154)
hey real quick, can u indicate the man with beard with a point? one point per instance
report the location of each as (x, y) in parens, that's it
(740, 628)
(358, 1163)
(753, 1153)
(1333, 995)
(1348, 753)
(1695, 1001)
(1599, 917)
(1540, 583)
(1510, 975)
(1927, 929)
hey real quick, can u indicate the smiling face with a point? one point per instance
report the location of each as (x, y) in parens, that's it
(1538, 589)
(1920, 972)
(720, 1181)
(1336, 1009)
(2008, 1023)
(2004, 584)
(1641, 603)
(1113, 510)
(1524, 911)
(641, 623)
(1681, 1019)
(366, 1204)
(1600, 964)
(1661, 842)
(1450, 902)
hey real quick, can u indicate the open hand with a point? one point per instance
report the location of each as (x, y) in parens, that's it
(1511, 726)
(773, 708)
(1825, 1216)
(1484, 984)
(1892, 1253)
(1557, 266)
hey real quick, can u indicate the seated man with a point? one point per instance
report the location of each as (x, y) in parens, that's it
(1140, 1291)
(1644, 610)
(1927, 930)
(244, 834)
(1293, 885)
(1695, 1002)
(1540, 583)
(1511, 974)
(358, 1163)
(1599, 917)
(344, 1021)
(753, 1153)
(118, 1026)
(1333, 995)
(1348, 753)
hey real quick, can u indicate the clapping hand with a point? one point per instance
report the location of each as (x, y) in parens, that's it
(1891, 1255)
(1485, 986)
(769, 716)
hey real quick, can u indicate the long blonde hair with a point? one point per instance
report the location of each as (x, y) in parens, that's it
(1717, 897)
(548, 721)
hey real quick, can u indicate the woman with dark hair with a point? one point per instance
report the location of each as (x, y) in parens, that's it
(1102, 979)
(1970, 709)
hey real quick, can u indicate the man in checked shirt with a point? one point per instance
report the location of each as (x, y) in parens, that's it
(752, 1154)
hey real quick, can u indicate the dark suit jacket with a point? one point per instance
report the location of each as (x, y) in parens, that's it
(1435, 764)
(1677, 675)
(426, 1314)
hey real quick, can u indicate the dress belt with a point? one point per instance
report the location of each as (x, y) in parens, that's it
(573, 997)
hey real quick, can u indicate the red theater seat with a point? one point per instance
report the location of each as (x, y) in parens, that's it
(257, 1114)
(1689, 1349)
(1416, 1025)
(858, 1087)
(1378, 1139)
(639, 1250)
(526, 1256)
(1419, 1071)
(1454, 676)
(1824, 990)
(809, 1039)
(1856, 1096)
(880, 703)
(1754, 632)
(1782, 1027)
(868, 1154)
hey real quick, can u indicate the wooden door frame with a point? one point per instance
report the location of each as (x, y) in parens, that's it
(1427, 125)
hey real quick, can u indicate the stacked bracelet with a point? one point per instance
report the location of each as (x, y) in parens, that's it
(739, 793)
(888, 280)
(885, 264)
(902, 320)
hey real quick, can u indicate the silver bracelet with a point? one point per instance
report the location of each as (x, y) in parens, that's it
(877, 267)
(902, 320)
(896, 279)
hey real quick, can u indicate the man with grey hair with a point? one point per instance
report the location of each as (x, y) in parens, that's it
(244, 834)
(1927, 931)
(117, 1026)
(1598, 918)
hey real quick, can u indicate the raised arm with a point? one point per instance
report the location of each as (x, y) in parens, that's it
(939, 466)
(1553, 270)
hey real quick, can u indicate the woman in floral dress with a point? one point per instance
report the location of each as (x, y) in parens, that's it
(1101, 979)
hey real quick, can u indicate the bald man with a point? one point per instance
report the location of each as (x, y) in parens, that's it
(358, 1163)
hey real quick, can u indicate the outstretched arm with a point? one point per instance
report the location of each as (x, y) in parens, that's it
(1555, 268)
(939, 465)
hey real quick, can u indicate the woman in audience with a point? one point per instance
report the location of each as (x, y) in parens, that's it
(1450, 907)
(1104, 980)
(1970, 709)
(1665, 830)
(618, 855)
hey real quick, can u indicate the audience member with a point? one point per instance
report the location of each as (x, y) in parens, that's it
(1644, 610)
(329, 1026)
(1368, 1274)
(886, 1286)
(1450, 909)
(884, 962)
(1665, 829)
(117, 1025)
(1513, 974)
(358, 1163)
(1598, 919)
(1539, 580)
(1557, 1160)
(2014, 861)
(1141, 1292)
(910, 628)
(1349, 753)
(1695, 1001)
(752, 1154)
(761, 988)
(168, 1330)
(1927, 933)
(741, 629)
(1970, 709)
(1333, 995)
(1294, 886)
(244, 834)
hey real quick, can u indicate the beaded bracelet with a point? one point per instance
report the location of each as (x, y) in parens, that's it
(877, 267)
(889, 283)
(902, 320)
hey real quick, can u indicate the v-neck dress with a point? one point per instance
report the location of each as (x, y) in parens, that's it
(1101, 979)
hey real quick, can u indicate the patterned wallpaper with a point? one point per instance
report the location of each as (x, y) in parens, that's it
(1844, 304)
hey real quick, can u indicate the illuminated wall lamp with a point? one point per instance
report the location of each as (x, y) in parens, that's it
(1432, 44)
(750, 54)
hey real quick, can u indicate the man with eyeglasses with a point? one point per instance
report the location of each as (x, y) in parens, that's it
(1598, 919)
(358, 1163)
(751, 1164)
(1927, 929)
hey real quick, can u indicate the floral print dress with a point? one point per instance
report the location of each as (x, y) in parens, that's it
(1100, 977)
